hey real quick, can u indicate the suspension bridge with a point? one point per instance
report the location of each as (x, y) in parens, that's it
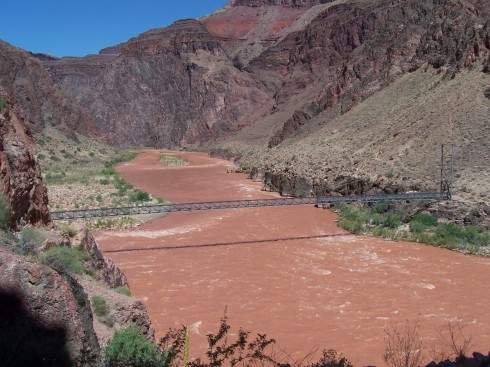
(236, 204)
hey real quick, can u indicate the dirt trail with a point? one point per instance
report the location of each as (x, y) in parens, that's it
(288, 272)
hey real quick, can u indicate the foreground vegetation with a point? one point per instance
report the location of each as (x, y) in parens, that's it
(425, 228)
(404, 347)
(129, 348)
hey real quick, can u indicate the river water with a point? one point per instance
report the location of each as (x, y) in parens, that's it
(288, 272)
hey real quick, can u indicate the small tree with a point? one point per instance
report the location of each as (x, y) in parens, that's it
(129, 348)
(222, 352)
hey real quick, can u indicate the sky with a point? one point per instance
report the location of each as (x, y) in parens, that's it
(81, 27)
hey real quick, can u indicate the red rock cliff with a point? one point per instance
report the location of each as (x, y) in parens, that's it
(20, 176)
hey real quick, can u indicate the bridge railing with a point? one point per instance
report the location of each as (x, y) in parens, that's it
(255, 203)
(409, 196)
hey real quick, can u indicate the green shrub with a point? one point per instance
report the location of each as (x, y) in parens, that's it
(138, 195)
(32, 235)
(104, 181)
(68, 230)
(425, 219)
(350, 225)
(453, 234)
(380, 232)
(4, 211)
(394, 220)
(381, 208)
(64, 259)
(417, 227)
(123, 290)
(129, 348)
(378, 219)
(100, 306)
(3, 103)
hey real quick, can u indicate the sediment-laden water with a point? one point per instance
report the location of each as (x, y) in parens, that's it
(289, 272)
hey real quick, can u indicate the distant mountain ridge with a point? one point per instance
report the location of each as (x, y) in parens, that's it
(262, 78)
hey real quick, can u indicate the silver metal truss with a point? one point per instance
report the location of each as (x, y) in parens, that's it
(256, 203)
(447, 170)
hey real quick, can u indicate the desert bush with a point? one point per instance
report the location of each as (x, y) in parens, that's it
(452, 343)
(394, 220)
(381, 208)
(417, 227)
(101, 310)
(138, 196)
(378, 219)
(64, 259)
(129, 348)
(3, 103)
(29, 241)
(425, 219)
(330, 358)
(4, 211)
(123, 290)
(31, 234)
(67, 229)
(404, 346)
(100, 305)
(351, 225)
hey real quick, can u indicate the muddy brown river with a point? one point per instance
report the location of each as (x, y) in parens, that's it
(289, 272)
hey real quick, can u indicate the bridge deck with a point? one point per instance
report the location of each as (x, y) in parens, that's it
(256, 203)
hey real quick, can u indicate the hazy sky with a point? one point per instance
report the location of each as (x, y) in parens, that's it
(80, 27)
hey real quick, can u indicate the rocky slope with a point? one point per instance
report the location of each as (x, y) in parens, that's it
(368, 90)
(20, 176)
(47, 316)
(27, 85)
(283, 84)
(53, 321)
(165, 88)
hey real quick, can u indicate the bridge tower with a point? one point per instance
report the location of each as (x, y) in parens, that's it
(447, 170)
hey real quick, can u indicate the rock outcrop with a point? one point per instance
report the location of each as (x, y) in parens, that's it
(106, 270)
(39, 102)
(20, 176)
(46, 319)
(165, 88)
